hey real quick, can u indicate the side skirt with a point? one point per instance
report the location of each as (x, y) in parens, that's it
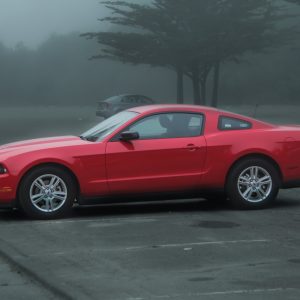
(146, 197)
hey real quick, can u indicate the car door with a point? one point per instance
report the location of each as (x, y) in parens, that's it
(168, 156)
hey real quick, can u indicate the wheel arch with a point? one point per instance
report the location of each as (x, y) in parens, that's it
(253, 156)
(51, 164)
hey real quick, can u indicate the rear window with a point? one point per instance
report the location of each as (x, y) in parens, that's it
(228, 123)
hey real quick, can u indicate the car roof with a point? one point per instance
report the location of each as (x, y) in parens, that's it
(173, 107)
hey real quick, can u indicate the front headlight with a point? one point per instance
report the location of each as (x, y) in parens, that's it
(3, 170)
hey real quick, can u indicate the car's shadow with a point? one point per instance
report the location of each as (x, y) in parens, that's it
(150, 208)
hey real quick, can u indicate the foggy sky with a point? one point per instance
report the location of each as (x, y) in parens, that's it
(33, 21)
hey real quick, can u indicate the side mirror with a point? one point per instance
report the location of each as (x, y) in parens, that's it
(129, 136)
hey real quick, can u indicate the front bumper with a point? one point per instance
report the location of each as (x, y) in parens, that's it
(7, 190)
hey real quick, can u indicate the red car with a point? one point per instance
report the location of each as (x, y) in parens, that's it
(172, 149)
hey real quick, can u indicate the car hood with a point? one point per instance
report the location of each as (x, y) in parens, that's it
(43, 143)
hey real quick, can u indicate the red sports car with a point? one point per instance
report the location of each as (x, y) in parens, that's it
(173, 149)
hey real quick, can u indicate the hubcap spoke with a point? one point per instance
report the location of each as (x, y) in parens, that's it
(41, 182)
(54, 182)
(244, 178)
(37, 196)
(59, 196)
(247, 193)
(264, 180)
(243, 182)
(47, 206)
(261, 192)
(255, 172)
(51, 204)
(38, 199)
(38, 185)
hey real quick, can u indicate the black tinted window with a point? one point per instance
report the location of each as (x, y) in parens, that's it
(227, 123)
(169, 125)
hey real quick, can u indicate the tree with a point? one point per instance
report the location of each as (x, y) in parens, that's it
(138, 48)
(293, 1)
(156, 42)
(192, 38)
(237, 27)
(164, 24)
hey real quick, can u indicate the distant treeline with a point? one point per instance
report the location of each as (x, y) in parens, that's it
(59, 72)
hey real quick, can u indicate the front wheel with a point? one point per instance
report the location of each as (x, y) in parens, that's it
(253, 183)
(47, 193)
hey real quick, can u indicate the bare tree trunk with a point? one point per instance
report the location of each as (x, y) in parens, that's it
(215, 94)
(196, 85)
(203, 90)
(203, 82)
(180, 95)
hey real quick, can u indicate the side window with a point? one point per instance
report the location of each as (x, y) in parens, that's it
(169, 125)
(227, 123)
(149, 128)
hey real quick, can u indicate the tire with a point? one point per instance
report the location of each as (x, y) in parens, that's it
(252, 184)
(47, 192)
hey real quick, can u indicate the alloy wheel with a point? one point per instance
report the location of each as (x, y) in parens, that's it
(255, 184)
(48, 193)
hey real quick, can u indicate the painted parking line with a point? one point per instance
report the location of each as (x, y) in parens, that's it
(88, 220)
(198, 244)
(115, 222)
(221, 293)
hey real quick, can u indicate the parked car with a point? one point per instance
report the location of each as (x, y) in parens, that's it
(113, 105)
(157, 149)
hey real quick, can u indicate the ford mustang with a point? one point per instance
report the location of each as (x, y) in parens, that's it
(157, 149)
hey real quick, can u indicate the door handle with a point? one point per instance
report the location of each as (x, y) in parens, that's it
(192, 147)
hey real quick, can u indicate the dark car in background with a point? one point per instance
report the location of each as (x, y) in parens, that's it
(113, 105)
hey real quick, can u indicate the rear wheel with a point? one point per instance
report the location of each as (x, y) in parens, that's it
(253, 183)
(47, 193)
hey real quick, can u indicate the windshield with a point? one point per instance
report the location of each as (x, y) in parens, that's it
(108, 126)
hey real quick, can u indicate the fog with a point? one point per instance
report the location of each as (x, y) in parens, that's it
(44, 61)
(33, 21)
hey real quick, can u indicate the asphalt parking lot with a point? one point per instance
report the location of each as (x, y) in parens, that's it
(191, 249)
(183, 250)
